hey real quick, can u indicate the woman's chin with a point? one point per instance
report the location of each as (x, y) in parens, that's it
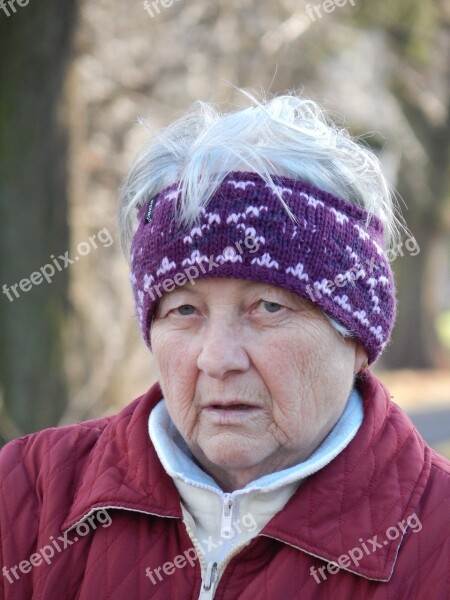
(231, 455)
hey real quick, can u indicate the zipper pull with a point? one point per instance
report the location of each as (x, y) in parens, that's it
(209, 583)
(226, 529)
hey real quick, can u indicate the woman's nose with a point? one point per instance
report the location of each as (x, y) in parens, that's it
(222, 349)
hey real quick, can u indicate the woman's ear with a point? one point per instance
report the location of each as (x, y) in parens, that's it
(361, 360)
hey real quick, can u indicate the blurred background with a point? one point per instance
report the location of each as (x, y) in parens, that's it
(75, 75)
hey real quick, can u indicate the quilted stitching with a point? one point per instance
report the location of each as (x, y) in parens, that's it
(51, 480)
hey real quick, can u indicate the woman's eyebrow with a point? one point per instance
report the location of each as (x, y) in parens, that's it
(178, 293)
(183, 290)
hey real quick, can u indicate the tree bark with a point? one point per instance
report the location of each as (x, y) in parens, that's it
(36, 44)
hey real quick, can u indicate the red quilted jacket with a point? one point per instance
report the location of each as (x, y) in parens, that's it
(380, 510)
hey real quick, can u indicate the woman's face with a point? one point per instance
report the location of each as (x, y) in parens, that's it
(254, 377)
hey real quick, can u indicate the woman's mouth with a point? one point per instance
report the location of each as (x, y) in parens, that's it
(231, 407)
(226, 413)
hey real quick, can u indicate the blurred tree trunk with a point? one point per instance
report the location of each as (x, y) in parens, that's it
(35, 50)
(415, 342)
(417, 35)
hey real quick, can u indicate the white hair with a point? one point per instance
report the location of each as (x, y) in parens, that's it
(286, 136)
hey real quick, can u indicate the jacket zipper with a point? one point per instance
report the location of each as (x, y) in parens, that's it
(226, 529)
(213, 571)
(209, 583)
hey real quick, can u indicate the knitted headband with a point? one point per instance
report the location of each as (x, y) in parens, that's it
(329, 256)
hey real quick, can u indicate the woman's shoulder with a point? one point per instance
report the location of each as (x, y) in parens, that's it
(57, 445)
(57, 456)
(439, 478)
(30, 460)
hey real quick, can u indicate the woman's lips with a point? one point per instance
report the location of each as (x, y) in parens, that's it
(231, 407)
(230, 412)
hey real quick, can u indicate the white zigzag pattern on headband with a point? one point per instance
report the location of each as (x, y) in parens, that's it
(340, 217)
(166, 265)
(173, 195)
(352, 254)
(253, 211)
(343, 302)
(279, 189)
(256, 210)
(240, 185)
(148, 280)
(195, 231)
(251, 232)
(211, 217)
(361, 315)
(378, 248)
(229, 255)
(312, 201)
(361, 232)
(234, 218)
(378, 333)
(298, 272)
(195, 257)
(322, 286)
(265, 261)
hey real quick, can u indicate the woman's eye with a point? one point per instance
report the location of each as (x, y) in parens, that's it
(185, 309)
(271, 307)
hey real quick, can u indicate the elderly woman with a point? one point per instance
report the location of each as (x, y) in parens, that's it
(267, 462)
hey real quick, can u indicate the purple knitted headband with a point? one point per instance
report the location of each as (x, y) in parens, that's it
(328, 256)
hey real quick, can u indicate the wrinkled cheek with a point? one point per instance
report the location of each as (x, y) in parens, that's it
(183, 415)
(175, 375)
(279, 435)
(179, 394)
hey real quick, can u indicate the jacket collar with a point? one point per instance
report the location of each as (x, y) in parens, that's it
(359, 499)
(373, 485)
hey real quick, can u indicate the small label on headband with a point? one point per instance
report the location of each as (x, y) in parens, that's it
(150, 207)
